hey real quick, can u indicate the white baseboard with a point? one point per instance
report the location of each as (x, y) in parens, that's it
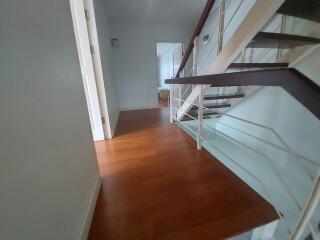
(139, 108)
(88, 213)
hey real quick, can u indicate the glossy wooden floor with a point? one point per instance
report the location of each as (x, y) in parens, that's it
(156, 185)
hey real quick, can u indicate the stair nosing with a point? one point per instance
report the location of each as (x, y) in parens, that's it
(223, 96)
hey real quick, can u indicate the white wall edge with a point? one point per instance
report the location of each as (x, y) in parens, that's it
(115, 124)
(88, 213)
(139, 108)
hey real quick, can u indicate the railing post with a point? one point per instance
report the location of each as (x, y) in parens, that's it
(194, 59)
(221, 25)
(180, 94)
(171, 102)
(200, 118)
(282, 30)
(220, 34)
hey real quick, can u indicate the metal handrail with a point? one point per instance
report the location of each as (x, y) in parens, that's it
(201, 22)
(270, 143)
(275, 133)
(200, 55)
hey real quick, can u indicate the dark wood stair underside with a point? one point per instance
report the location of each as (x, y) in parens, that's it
(258, 65)
(213, 105)
(223, 96)
(299, 86)
(306, 9)
(280, 40)
(188, 118)
(206, 113)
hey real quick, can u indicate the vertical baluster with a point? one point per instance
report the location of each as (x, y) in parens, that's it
(180, 94)
(221, 25)
(221, 30)
(282, 30)
(171, 102)
(194, 59)
(200, 118)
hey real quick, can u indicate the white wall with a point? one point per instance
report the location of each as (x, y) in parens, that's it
(136, 71)
(48, 166)
(104, 37)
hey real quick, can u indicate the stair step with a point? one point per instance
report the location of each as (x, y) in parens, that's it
(223, 96)
(306, 9)
(280, 40)
(206, 113)
(213, 105)
(258, 65)
(187, 118)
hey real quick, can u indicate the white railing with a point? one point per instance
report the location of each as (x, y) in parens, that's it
(243, 12)
(307, 210)
(179, 96)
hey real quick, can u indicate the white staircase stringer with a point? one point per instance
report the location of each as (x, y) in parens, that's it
(256, 19)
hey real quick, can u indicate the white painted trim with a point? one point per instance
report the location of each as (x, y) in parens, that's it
(87, 69)
(138, 108)
(88, 213)
(96, 60)
(114, 127)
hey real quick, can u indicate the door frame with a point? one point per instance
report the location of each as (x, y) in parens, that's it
(94, 87)
(97, 65)
(168, 42)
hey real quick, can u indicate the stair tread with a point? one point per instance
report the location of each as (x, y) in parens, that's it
(213, 105)
(280, 40)
(306, 9)
(194, 113)
(258, 65)
(187, 118)
(223, 96)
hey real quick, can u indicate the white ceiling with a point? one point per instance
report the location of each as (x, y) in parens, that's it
(155, 11)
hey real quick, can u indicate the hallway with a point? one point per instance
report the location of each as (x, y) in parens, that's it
(157, 185)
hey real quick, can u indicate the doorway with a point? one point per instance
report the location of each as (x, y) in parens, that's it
(169, 56)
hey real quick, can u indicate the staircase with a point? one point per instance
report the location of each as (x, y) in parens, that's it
(250, 54)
